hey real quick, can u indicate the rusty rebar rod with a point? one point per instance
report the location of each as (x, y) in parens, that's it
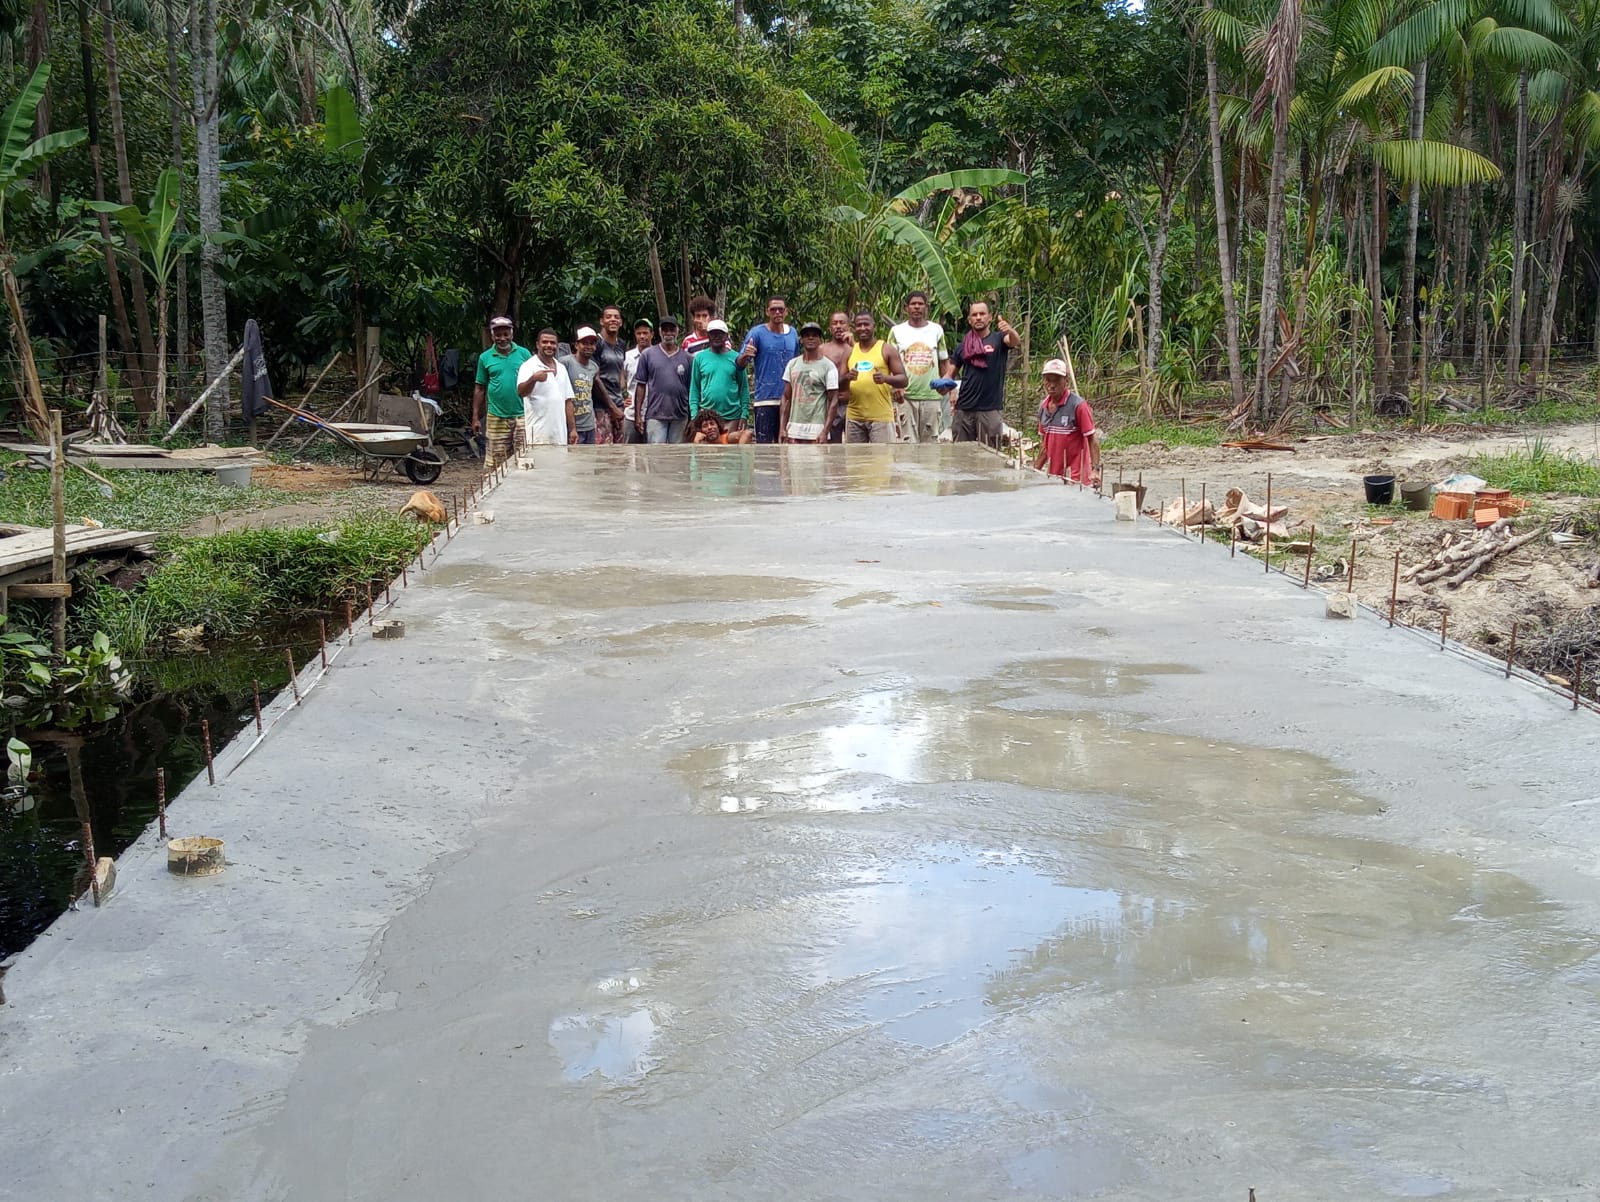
(205, 735)
(161, 800)
(255, 696)
(1511, 653)
(1311, 552)
(322, 641)
(1394, 588)
(1266, 559)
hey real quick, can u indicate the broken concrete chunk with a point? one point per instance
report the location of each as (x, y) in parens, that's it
(1127, 506)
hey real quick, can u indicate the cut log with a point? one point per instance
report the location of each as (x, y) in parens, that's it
(1472, 569)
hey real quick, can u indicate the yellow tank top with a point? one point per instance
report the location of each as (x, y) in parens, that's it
(869, 400)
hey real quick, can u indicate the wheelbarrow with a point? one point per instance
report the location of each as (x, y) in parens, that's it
(382, 447)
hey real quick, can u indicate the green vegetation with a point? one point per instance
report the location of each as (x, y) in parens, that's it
(1538, 469)
(1173, 433)
(251, 580)
(87, 686)
(165, 502)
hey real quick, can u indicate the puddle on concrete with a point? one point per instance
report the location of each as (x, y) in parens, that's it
(1115, 858)
(613, 1047)
(1079, 1168)
(871, 598)
(991, 603)
(616, 587)
(921, 943)
(664, 634)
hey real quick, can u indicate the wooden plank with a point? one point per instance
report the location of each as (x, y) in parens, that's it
(29, 550)
(46, 589)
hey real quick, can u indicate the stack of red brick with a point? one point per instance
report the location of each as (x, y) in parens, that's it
(1485, 507)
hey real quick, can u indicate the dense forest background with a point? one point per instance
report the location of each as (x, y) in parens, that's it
(1403, 186)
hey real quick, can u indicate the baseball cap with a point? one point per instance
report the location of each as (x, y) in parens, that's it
(667, 319)
(584, 332)
(810, 327)
(716, 323)
(643, 323)
(501, 320)
(1054, 367)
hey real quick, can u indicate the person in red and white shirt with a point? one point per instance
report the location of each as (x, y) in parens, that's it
(1067, 438)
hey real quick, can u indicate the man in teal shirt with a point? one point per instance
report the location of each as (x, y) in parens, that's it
(718, 383)
(497, 383)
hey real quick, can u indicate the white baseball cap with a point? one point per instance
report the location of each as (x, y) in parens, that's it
(716, 323)
(584, 332)
(1054, 367)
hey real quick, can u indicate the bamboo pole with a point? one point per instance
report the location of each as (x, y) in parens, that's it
(305, 401)
(200, 400)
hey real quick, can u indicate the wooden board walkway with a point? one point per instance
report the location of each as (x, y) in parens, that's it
(25, 554)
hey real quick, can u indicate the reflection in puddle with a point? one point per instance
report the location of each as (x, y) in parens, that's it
(922, 942)
(615, 1047)
(614, 586)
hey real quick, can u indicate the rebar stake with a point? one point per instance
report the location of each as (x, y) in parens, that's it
(1511, 654)
(404, 583)
(1183, 506)
(1310, 554)
(1233, 541)
(322, 641)
(349, 624)
(1350, 576)
(1394, 588)
(255, 696)
(294, 677)
(1444, 630)
(369, 604)
(205, 735)
(161, 800)
(1577, 683)
(1267, 558)
(1205, 526)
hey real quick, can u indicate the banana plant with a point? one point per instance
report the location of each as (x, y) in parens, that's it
(152, 233)
(898, 219)
(20, 155)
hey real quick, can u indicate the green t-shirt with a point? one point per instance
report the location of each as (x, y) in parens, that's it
(717, 383)
(498, 373)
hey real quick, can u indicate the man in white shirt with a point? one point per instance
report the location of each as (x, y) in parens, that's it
(644, 337)
(546, 393)
(919, 410)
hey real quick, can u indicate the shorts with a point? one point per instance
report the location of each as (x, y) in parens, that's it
(499, 439)
(856, 431)
(977, 425)
(924, 420)
(586, 438)
(767, 420)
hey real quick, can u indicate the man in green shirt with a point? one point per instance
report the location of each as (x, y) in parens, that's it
(497, 384)
(718, 383)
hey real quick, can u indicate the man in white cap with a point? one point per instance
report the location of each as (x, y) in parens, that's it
(719, 381)
(546, 396)
(589, 396)
(496, 391)
(1068, 442)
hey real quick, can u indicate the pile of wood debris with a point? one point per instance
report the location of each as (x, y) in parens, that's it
(1462, 555)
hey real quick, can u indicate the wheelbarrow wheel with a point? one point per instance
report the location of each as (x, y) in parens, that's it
(423, 465)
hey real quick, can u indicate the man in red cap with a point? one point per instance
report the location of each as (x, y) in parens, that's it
(1067, 438)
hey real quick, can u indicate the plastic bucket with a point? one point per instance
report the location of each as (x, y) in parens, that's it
(1417, 496)
(1380, 489)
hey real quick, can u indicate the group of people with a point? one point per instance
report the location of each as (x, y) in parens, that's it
(782, 384)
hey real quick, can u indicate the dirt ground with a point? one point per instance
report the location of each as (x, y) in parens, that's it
(1539, 586)
(331, 491)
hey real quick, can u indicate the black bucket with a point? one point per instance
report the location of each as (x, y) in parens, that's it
(1380, 489)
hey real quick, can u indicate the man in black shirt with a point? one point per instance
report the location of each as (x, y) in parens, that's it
(609, 353)
(980, 364)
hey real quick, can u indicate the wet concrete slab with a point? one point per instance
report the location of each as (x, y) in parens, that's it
(759, 823)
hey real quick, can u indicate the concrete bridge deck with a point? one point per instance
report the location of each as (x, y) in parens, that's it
(880, 823)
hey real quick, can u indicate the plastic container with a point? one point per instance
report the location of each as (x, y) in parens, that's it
(1380, 489)
(1417, 496)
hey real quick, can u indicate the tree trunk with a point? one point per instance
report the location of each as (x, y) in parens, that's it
(1272, 268)
(180, 230)
(1558, 256)
(1158, 268)
(1380, 319)
(1519, 235)
(208, 158)
(37, 52)
(119, 305)
(1407, 313)
(119, 144)
(38, 417)
(161, 353)
(1460, 230)
(656, 279)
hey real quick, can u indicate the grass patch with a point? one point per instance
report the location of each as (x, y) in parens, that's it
(241, 581)
(164, 502)
(1174, 434)
(1538, 469)
(1552, 411)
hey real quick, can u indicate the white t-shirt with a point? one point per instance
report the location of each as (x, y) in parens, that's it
(544, 410)
(630, 364)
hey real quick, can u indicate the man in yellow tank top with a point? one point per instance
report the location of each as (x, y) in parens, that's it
(872, 373)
